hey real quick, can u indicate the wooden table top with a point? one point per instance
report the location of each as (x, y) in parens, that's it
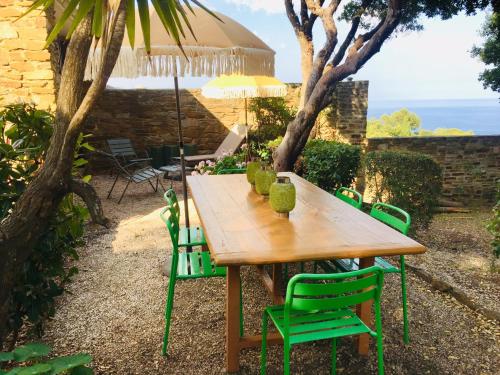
(241, 228)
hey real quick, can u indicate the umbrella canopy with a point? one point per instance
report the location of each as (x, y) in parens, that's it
(240, 86)
(218, 47)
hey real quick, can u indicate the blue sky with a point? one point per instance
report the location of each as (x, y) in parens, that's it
(432, 64)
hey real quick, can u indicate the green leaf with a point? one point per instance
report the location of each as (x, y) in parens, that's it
(80, 162)
(84, 8)
(6, 356)
(68, 11)
(86, 178)
(37, 4)
(97, 22)
(130, 22)
(30, 351)
(143, 7)
(66, 363)
(40, 368)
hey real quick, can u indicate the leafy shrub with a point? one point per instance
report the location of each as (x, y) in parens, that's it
(494, 225)
(409, 180)
(226, 161)
(329, 164)
(25, 137)
(272, 116)
(30, 356)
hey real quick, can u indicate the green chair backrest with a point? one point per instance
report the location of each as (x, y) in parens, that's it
(328, 292)
(172, 223)
(383, 212)
(171, 199)
(232, 171)
(356, 200)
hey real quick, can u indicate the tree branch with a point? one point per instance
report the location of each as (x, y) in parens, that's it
(91, 199)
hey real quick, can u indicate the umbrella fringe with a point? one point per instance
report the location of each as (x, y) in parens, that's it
(244, 92)
(201, 61)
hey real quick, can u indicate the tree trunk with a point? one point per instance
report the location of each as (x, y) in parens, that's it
(30, 216)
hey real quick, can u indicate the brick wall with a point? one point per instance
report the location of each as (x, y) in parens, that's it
(148, 117)
(25, 67)
(471, 165)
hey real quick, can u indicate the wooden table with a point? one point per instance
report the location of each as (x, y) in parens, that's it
(241, 229)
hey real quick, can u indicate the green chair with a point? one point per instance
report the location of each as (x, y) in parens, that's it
(383, 212)
(356, 200)
(320, 306)
(186, 265)
(232, 171)
(196, 235)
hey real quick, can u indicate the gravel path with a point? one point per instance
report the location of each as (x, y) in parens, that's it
(115, 313)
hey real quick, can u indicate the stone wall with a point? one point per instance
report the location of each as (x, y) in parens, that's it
(148, 117)
(25, 66)
(471, 165)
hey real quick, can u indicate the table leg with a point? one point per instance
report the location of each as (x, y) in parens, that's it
(233, 284)
(277, 284)
(364, 312)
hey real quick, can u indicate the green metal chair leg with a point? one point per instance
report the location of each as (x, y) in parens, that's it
(334, 356)
(406, 334)
(380, 347)
(286, 357)
(170, 301)
(263, 352)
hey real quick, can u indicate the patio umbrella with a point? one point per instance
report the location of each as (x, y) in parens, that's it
(219, 46)
(243, 87)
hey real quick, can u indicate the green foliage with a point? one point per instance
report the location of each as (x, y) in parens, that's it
(404, 123)
(489, 53)
(172, 15)
(34, 364)
(226, 161)
(265, 151)
(408, 180)
(272, 116)
(26, 133)
(494, 225)
(331, 165)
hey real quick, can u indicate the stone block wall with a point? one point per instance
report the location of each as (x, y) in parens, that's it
(471, 165)
(25, 65)
(148, 117)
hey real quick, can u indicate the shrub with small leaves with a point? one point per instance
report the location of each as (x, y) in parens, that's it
(494, 225)
(28, 359)
(329, 164)
(408, 180)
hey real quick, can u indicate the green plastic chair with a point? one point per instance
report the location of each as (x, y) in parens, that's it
(319, 307)
(186, 265)
(344, 194)
(196, 235)
(383, 212)
(232, 171)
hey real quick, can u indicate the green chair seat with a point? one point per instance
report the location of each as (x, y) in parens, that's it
(196, 237)
(321, 306)
(308, 326)
(197, 264)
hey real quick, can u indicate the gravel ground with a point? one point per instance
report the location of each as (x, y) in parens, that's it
(115, 312)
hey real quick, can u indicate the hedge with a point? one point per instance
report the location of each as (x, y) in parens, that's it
(409, 180)
(330, 165)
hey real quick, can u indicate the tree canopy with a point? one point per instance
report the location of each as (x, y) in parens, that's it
(404, 123)
(489, 53)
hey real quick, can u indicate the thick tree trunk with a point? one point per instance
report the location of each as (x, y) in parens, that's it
(29, 219)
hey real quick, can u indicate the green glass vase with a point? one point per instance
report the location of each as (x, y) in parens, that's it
(282, 195)
(252, 167)
(264, 178)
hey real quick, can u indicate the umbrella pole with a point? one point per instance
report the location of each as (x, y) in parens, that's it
(249, 157)
(181, 154)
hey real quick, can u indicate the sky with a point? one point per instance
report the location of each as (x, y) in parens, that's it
(432, 64)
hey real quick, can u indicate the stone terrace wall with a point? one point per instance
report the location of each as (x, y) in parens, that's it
(471, 165)
(148, 117)
(25, 67)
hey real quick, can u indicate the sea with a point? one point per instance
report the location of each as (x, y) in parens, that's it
(482, 116)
